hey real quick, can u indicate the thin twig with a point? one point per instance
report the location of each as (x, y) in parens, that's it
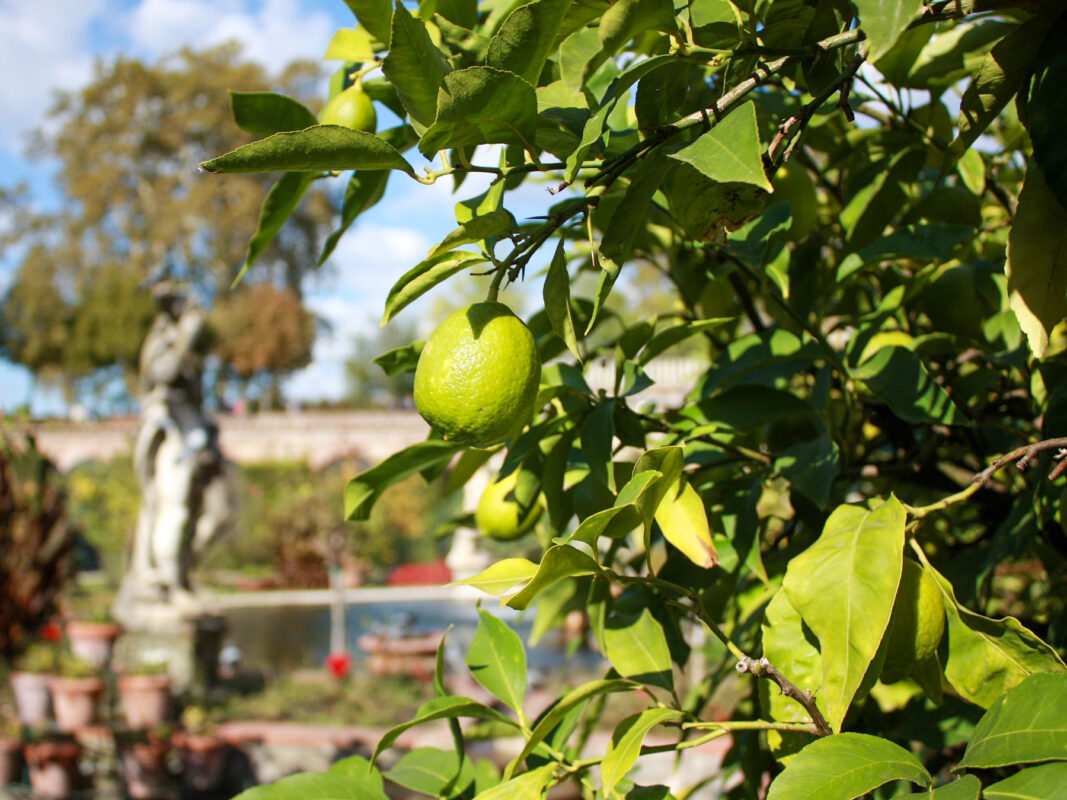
(763, 668)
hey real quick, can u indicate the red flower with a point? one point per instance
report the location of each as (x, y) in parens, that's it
(50, 632)
(339, 664)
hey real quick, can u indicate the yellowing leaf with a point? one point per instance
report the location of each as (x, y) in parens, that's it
(684, 522)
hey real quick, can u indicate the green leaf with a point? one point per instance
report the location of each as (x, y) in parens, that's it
(811, 467)
(319, 148)
(845, 766)
(899, 377)
(482, 105)
(1027, 724)
(598, 431)
(527, 37)
(363, 191)
(988, 657)
(448, 707)
(684, 522)
(278, 206)
(502, 577)
(425, 275)
(414, 66)
(1045, 782)
(477, 229)
(264, 113)
(614, 522)
(349, 44)
(966, 788)
(557, 296)
(374, 15)
(429, 770)
(844, 586)
(365, 775)
(1037, 261)
(560, 561)
(400, 359)
(730, 152)
(707, 209)
(497, 660)
(528, 786)
(883, 21)
(1044, 107)
(320, 785)
(626, 743)
(629, 216)
(627, 18)
(971, 168)
(363, 491)
(636, 646)
(555, 715)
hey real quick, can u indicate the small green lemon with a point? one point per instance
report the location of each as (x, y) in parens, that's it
(351, 108)
(499, 517)
(477, 376)
(917, 623)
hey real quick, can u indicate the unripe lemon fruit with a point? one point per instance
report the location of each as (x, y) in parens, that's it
(917, 623)
(351, 108)
(477, 376)
(500, 517)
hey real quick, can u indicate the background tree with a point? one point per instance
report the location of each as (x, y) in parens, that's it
(368, 384)
(879, 284)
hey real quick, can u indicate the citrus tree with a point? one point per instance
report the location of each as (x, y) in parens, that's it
(832, 551)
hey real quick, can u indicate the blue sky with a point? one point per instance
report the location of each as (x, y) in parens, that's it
(52, 45)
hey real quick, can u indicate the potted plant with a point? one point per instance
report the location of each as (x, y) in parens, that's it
(144, 694)
(93, 638)
(52, 760)
(203, 751)
(143, 761)
(76, 692)
(10, 750)
(34, 670)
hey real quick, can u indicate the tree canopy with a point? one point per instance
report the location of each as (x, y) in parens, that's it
(859, 210)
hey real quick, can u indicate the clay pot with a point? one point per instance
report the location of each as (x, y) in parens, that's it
(53, 768)
(203, 760)
(145, 699)
(10, 761)
(93, 641)
(75, 700)
(33, 701)
(144, 768)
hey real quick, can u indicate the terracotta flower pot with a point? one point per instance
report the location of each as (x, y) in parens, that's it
(144, 768)
(10, 761)
(93, 641)
(75, 700)
(53, 768)
(203, 760)
(32, 698)
(145, 699)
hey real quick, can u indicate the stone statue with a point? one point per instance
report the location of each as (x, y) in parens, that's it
(188, 492)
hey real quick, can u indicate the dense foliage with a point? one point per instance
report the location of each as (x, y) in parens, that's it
(859, 210)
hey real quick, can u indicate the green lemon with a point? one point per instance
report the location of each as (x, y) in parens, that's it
(917, 623)
(499, 517)
(477, 376)
(351, 108)
(793, 184)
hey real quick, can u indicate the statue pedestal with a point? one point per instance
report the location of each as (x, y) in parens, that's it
(188, 644)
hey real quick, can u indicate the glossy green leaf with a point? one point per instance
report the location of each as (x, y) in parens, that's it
(364, 190)
(414, 66)
(527, 37)
(528, 786)
(614, 523)
(684, 522)
(707, 209)
(558, 562)
(845, 766)
(966, 788)
(502, 577)
(497, 660)
(429, 770)
(320, 785)
(278, 206)
(1044, 782)
(566, 704)
(349, 44)
(476, 229)
(627, 18)
(988, 657)
(1027, 724)
(557, 296)
(636, 646)
(374, 15)
(319, 148)
(264, 113)
(1037, 261)
(625, 746)
(364, 490)
(1044, 107)
(971, 168)
(598, 432)
(628, 218)
(811, 467)
(400, 359)
(448, 707)
(883, 21)
(364, 774)
(899, 377)
(482, 105)
(844, 586)
(425, 275)
(731, 152)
